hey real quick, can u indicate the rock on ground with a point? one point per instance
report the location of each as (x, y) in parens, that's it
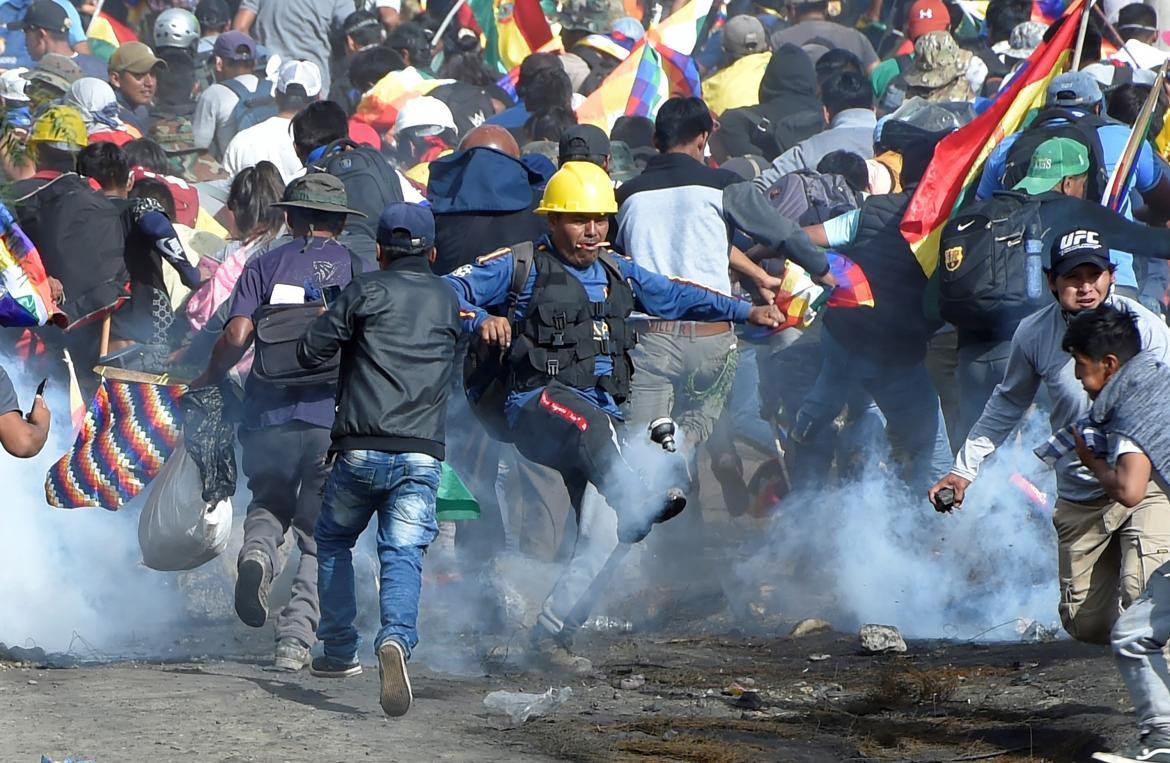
(879, 639)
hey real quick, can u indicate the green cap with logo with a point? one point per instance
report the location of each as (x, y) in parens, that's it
(320, 191)
(1054, 160)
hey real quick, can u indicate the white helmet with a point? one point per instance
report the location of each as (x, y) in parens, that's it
(424, 111)
(176, 28)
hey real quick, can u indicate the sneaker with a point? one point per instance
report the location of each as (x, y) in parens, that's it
(552, 655)
(1153, 748)
(291, 655)
(394, 693)
(635, 529)
(252, 584)
(331, 667)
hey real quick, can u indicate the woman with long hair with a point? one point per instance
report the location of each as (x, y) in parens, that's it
(258, 227)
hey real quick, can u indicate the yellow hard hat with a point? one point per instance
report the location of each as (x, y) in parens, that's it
(579, 187)
(60, 127)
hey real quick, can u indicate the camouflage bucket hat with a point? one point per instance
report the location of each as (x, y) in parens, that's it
(594, 16)
(938, 61)
(320, 191)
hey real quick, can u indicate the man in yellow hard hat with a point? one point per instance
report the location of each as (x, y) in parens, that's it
(558, 310)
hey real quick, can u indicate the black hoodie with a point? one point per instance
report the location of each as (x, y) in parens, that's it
(789, 110)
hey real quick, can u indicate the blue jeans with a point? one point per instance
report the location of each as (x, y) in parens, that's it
(1139, 640)
(903, 394)
(401, 488)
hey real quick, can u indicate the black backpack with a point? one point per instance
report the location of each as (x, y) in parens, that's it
(279, 329)
(370, 182)
(774, 137)
(1079, 127)
(484, 367)
(983, 266)
(811, 197)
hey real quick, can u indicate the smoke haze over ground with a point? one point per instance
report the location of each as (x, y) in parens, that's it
(874, 552)
(77, 572)
(864, 552)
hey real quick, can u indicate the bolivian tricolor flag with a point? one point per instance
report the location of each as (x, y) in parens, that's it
(959, 158)
(513, 29)
(106, 34)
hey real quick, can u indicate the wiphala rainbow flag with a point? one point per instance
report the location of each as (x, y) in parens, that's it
(130, 429)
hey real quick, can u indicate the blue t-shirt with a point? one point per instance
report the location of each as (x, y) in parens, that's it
(14, 53)
(294, 273)
(1113, 138)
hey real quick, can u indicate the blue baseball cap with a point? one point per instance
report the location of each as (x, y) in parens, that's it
(406, 226)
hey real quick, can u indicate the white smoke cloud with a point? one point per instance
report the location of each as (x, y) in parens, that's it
(871, 551)
(73, 573)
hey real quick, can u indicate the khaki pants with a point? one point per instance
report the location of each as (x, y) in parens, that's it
(1106, 553)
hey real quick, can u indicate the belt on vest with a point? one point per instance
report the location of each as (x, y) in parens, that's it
(689, 329)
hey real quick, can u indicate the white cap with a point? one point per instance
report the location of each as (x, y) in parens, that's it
(303, 73)
(424, 111)
(12, 85)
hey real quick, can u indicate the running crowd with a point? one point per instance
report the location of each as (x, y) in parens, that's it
(396, 253)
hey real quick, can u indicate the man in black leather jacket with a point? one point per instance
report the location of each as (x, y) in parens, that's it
(396, 331)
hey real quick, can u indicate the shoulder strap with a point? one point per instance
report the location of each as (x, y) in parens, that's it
(239, 88)
(522, 257)
(610, 263)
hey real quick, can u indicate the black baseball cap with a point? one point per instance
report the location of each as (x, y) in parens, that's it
(1078, 246)
(583, 142)
(403, 225)
(43, 14)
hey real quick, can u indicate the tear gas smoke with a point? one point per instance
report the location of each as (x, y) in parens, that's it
(72, 573)
(874, 552)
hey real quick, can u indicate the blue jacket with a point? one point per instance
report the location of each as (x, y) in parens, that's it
(480, 180)
(486, 283)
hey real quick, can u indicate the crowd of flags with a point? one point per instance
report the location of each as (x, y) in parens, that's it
(959, 157)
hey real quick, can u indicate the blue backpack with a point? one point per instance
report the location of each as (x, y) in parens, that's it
(254, 106)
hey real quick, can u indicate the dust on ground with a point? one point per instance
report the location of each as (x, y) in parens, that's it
(939, 701)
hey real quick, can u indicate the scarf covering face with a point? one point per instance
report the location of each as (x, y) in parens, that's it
(96, 102)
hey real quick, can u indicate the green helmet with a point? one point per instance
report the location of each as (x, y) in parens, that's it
(593, 16)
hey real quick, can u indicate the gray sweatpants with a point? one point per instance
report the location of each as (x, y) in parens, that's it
(286, 469)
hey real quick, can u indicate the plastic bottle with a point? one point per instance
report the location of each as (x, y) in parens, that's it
(1033, 253)
(521, 706)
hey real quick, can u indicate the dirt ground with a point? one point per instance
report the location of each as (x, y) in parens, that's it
(1055, 701)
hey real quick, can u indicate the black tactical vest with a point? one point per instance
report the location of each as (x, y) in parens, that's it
(557, 338)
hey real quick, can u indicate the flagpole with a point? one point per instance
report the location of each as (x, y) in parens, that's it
(97, 11)
(1115, 196)
(1116, 35)
(1076, 62)
(438, 38)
